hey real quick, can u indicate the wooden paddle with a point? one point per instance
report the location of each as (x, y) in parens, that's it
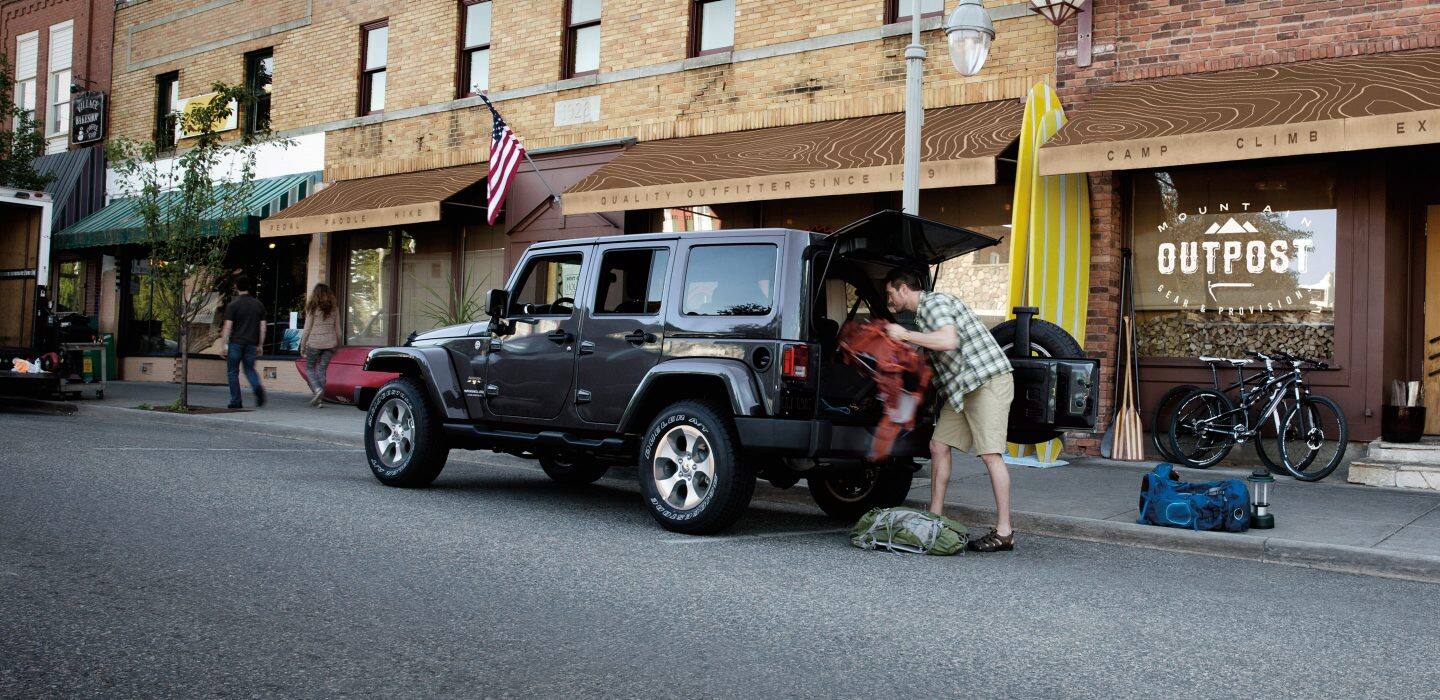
(1129, 443)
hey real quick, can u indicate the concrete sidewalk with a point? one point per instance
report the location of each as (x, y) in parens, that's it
(1330, 524)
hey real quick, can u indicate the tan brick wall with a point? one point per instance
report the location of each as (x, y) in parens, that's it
(317, 64)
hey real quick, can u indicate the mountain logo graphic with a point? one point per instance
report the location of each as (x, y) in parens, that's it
(1232, 226)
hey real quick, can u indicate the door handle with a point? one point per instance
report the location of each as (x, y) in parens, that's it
(587, 347)
(639, 337)
(560, 336)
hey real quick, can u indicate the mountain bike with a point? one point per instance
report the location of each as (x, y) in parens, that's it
(1165, 409)
(1310, 436)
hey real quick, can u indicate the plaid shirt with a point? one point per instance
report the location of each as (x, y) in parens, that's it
(976, 360)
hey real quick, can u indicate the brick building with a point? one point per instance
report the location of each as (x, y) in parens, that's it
(58, 49)
(1202, 114)
(380, 96)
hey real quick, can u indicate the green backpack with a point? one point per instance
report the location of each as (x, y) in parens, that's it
(908, 530)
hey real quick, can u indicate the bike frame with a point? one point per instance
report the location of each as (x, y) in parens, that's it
(1273, 388)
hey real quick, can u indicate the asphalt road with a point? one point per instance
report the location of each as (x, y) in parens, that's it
(142, 559)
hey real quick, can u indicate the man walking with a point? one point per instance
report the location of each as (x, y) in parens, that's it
(242, 336)
(975, 378)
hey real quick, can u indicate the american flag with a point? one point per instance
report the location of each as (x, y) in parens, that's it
(506, 152)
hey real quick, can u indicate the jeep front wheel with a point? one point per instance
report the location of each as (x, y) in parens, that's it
(402, 436)
(690, 473)
(848, 494)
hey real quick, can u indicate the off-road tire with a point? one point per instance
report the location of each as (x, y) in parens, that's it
(728, 492)
(570, 470)
(428, 449)
(1046, 340)
(847, 495)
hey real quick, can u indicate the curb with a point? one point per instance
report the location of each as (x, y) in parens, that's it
(1367, 561)
(1330, 557)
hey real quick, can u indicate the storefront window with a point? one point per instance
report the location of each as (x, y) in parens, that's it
(151, 330)
(428, 298)
(70, 286)
(368, 285)
(280, 276)
(1235, 259)
(484, 266)
(697, 218)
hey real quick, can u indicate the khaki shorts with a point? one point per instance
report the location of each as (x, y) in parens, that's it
(980, 428)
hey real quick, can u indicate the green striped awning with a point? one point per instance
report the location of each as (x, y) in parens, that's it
(121, 222)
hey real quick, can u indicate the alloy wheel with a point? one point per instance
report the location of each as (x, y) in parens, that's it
(394, 433)
(683, 468)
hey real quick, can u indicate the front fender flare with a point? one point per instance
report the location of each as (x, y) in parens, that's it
(432, 366)
(735, 375)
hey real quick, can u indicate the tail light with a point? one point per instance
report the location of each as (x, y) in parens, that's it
(795, 362)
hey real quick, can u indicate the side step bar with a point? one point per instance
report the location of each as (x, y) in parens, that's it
(547, 441)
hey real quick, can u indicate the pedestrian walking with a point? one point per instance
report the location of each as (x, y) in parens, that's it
(318, 341)
(975, 378)
(242, 336)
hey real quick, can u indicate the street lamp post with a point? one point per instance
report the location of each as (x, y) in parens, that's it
(969, 32)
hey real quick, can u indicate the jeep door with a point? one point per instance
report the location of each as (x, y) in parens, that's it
(623, 327)
(531, 364)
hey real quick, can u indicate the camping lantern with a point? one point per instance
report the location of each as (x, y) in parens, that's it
(1260, 482)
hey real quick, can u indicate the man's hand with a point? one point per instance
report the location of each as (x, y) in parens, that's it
(896, 331)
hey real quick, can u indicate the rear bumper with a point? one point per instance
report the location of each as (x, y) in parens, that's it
(820, 438)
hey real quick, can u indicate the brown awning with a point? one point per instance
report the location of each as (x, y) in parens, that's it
(847, 156)
(1322, 106)
(388, 200)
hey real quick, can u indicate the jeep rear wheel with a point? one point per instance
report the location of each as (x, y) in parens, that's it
(567, 469)
(403, 441)
(848, 494)
(690, 474)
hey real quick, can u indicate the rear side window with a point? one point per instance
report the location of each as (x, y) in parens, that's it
(548, 286)
(730, 280)
(631, 282)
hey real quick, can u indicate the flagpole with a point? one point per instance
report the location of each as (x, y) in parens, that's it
(553, 196)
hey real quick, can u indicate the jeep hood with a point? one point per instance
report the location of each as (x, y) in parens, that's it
(895, 238)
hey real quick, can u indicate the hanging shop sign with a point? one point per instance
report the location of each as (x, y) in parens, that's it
(1244, 257)
(87, 118)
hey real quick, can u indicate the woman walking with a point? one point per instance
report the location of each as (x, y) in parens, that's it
(321, 335)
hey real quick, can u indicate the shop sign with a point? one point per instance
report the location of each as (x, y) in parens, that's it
(1243, 257)
(87, 118)
(351, 220)
(881, 178)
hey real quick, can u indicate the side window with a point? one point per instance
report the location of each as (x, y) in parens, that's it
(730, 280)
(631, 282)
(548, 286)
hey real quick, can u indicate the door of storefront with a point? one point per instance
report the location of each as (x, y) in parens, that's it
(1431, 363)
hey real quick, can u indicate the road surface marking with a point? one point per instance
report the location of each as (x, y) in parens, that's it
(229, 449)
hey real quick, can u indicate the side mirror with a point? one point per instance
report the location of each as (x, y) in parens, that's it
(498, 303)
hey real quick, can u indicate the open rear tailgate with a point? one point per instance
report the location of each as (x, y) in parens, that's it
(898, 238)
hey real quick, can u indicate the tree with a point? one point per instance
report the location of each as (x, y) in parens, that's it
(20, 139)
(193, 204)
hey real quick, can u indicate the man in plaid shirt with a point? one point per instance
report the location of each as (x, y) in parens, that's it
(975, 378)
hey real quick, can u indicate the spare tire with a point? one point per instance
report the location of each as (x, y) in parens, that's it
(1046, 340)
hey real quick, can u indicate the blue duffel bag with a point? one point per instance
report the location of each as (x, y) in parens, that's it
(1212, 505)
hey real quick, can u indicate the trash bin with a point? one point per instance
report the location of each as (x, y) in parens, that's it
(111, 361)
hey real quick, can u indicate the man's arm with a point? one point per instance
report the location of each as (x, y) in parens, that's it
(942, 338)
(263, 324)
(225, 335)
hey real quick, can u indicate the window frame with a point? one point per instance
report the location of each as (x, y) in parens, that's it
(58, 97)
(893, 16)
(167, 123)
(524, 276)
(367, 75)
(774, 282)
(572, 33)
(27, 84)
(464, 51)
(653, 250)
(697, 22)
(252, 62)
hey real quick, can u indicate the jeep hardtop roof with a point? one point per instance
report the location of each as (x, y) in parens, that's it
(689, 235)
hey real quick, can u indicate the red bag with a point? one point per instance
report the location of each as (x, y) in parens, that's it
(901, 373)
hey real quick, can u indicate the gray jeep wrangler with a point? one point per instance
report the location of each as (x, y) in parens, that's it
(709, 359)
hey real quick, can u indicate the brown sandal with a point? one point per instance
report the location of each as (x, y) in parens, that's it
(992, 542)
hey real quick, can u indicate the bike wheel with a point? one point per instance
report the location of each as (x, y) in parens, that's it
(1313, 439)
(1267, 436)
(1193, 437)
(1164, 413)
